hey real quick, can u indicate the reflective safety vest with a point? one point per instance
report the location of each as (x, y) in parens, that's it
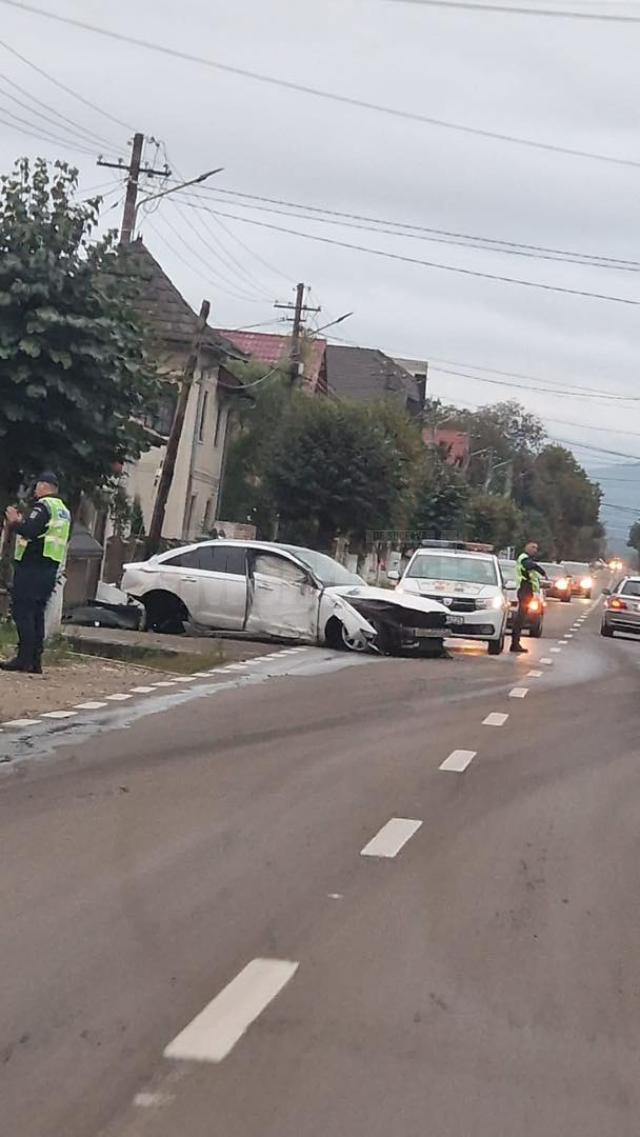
(55, 537)
(525, 576)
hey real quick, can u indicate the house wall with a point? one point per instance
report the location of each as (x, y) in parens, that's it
(193, 498)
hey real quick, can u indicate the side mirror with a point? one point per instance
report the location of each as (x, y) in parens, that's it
(606, 592)
(393, 574)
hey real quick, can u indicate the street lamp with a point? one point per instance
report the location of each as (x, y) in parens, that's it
(173, 189)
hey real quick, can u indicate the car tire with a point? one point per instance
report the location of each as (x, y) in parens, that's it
(566, 600)
(605, 630)
(496, 647)
(164, 614)
(338, 638)
(535, 631)
(587, 596)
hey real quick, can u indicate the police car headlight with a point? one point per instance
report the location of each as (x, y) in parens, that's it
(491, 602)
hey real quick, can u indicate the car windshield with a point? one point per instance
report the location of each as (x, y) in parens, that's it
(329, 572)
(466, 570)
(631, 588)
(554, 572)
(508, 571)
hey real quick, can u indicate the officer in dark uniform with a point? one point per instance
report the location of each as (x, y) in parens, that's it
(41, 547)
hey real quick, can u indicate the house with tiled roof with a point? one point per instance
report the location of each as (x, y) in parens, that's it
(367, 375)
(272, 350)
(192, 507)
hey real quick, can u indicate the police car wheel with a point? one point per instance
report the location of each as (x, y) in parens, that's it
(496, 647)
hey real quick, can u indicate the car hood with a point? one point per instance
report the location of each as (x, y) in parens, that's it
(433, 588)
(390, 596)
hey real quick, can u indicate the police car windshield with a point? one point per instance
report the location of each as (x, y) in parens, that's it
(465, 570)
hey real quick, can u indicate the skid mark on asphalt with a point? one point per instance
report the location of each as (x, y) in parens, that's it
(391, 838)
(220, 1026)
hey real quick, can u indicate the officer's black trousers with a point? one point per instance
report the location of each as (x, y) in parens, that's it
(32, 587)
(520, 616)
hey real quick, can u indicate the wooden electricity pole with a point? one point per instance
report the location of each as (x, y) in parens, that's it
(300, 310)
(173, 442)
(134, 170)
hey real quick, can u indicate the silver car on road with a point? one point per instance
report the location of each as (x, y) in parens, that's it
(621, 611)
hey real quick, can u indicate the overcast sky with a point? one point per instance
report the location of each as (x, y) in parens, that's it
(571, 83)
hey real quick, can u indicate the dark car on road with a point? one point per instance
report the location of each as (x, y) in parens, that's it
(557, 585)
(581, 578)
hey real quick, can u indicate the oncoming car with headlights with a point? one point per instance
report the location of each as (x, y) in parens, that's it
(557, 584)
(467, 580)
(581, 578)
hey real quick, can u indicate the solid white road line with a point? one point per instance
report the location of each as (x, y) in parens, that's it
(93, 705)
(518, 692)
(216, 1030)
(22, 722)
(391, 838)
(59, 714)
(458, 760)
(496, 718)
(533, 674)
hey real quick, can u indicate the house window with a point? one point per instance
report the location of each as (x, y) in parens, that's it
(203, 416)
(161, 420)
(218, 424)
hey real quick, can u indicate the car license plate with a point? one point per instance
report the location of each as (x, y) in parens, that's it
(455, 620)
(427, 633)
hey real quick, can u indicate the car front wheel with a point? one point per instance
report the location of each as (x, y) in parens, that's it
(496, 647)
(535, 631)
(165, 613)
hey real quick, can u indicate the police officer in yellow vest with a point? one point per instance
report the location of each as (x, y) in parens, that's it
(528, 573)
(41, 549)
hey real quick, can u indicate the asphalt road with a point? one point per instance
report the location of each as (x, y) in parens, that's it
(211, 929)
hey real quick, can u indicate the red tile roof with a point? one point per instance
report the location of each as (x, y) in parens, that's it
(273, 349)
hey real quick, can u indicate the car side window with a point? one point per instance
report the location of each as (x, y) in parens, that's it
(213, 558)
(280, 568)
(190, 559)
(236, 560)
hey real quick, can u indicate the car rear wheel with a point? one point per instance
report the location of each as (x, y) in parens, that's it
(165, 613)
(605, 630)
(496, 647)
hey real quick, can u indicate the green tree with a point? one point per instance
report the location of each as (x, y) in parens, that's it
(570, 502)
(633, 541)
(76, 379)
(442, 497)
(496, 520)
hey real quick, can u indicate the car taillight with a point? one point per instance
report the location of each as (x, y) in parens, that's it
(616, 603)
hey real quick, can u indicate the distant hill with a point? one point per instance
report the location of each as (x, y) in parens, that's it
(620, 484)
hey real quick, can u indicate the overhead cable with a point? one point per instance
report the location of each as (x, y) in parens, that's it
(316, 92)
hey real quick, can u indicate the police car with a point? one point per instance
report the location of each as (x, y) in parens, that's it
(466, 578)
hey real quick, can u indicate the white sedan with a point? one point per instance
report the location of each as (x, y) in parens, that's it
(257, 588)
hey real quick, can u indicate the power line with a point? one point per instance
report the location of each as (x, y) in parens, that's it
(84, 136)
(242, 284)
(522, 10)
(49, 111)
(595, 449)
(231, 287)
(425, 264)
(424, 232)
(42, 135)
(530, 378)
(574, 393)
(316, 92)
(63, 86)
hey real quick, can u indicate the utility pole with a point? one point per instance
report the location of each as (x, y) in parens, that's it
(300, 310)
(134, 170)
(171, 454)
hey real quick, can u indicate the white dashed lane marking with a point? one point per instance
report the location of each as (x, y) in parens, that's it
(496, 718)
(216, 1030)
(545, 659)
(142, 690)
(118, 698)
(533, 674)
(458, 760)
(22, 722)
(555, 650)
(59, 714)
(391, 838)
(93, 705)
(518, 692)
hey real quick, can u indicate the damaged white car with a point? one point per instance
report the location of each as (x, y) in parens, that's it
(259, 589)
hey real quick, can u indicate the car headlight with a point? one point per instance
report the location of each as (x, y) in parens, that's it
(586, 582)
(562, 583)
(491, 602)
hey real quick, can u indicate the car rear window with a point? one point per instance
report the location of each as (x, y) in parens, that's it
(554, 572)
(466, 570)
(631, 588)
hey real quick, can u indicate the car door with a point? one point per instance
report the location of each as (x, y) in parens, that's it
(223, 586)
(180, 575)
(283, 598)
